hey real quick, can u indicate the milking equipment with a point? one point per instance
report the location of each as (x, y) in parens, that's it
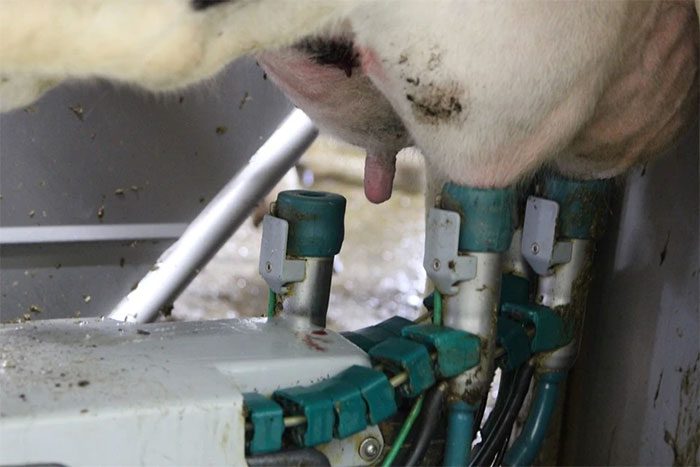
(510, 275)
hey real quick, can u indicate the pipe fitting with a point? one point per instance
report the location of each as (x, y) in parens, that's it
(300, 239)
(486, 218)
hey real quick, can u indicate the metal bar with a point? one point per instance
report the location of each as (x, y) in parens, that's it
(216, 223)
(89, 233)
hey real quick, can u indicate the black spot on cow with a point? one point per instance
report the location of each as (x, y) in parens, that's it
(199, 5)
(438, 103)
(337, 52)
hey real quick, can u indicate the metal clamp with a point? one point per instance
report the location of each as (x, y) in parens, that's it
(539, 246)
(442, 262)
(274, 266)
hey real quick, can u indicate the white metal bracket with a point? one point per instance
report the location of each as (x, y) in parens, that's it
(274, 266)
(442, 262)
(539, 246)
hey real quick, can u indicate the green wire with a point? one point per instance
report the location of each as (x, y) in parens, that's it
(437, 307)
(271, 304)
(401, 438)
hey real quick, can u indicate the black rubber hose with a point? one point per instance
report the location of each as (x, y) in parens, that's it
(502, 452)
(504, 393)
(295, 457)
(494, 440)
(479, 416)
(424, 428)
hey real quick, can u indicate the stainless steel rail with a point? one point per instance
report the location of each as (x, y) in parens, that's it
(174, 270)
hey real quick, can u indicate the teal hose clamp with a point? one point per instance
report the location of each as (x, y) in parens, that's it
(376, 390)
(316, 226)
(514, 341)
(551, 330)
(397, 355)
(316, 407)
(348, 405)
(368, 337)
(487, 216)
(457, 351)
(267, 419)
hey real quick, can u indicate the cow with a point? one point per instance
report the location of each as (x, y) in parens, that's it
(488, 91)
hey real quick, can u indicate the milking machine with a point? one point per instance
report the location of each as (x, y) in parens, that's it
(510, 275)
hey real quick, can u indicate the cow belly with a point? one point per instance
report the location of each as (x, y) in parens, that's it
(648, 103)
(487, 111)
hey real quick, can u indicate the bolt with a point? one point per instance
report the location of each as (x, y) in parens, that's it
(268, 266)
(370, 449)
(436, 264)
(535, 248)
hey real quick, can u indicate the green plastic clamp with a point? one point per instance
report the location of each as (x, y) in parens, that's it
(376, 391)
(397, 355)
(348, 405)
(368, 337)
(486, 215)
(583, 206)
(315, 218)
(514, 340)
(267, 419)
(514, 289)
(551, 331)
(316, 407)
(457, 351)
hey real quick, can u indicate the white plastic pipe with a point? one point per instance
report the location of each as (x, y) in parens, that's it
(174, 270)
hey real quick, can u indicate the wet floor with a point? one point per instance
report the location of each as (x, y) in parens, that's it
(380, 271)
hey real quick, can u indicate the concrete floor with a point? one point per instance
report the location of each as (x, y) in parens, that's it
(380, 272)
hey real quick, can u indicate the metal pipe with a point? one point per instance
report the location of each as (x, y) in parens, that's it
(513, 261)
(174, 270)
(566, 291)
(306, 457)
(309, 297)
(89, 233)
(474, 308)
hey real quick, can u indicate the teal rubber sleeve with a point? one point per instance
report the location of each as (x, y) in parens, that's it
(583, 205)
(486, 216)
(460, 423)
(315, 218)
(525, 449)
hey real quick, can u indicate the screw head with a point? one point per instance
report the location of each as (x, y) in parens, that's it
(436, 264)
(370, 449)
(535, 248)
(268, 266)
